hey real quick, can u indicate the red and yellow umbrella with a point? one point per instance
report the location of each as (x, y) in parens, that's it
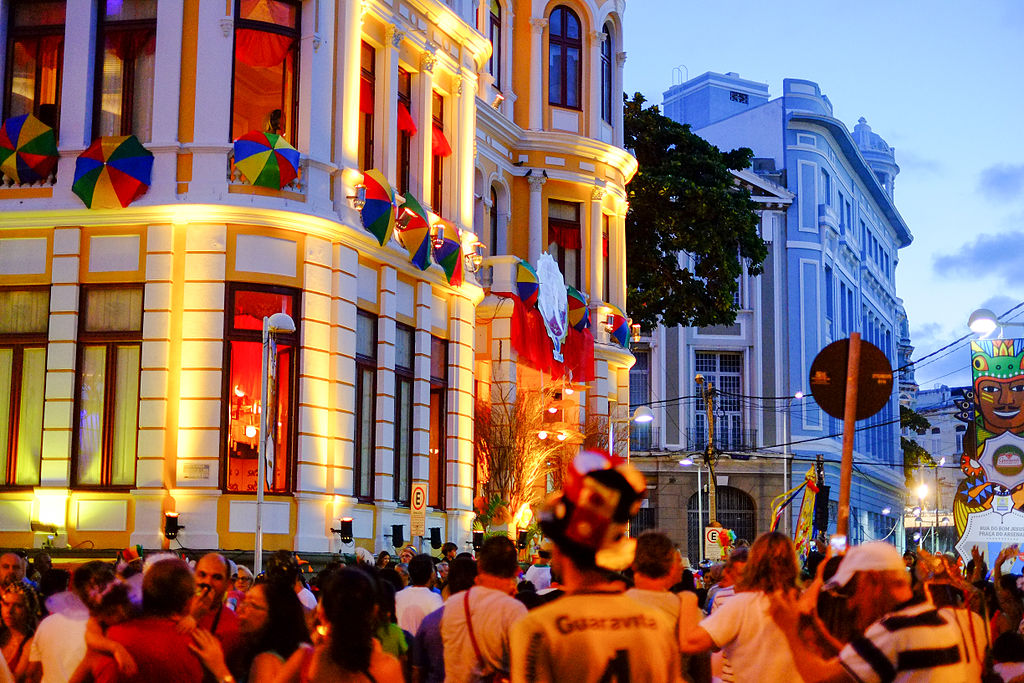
(415, 235)
(527, 284)
(378, 213)
(28, 149)
(579, 314)
(266, 159)
(113, 172)
(619, 327)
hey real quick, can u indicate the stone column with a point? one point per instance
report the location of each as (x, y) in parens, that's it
(167, 86)
(596, 255)
(387, 128)
(620, 60)
(617, 254)
(76, 88)
(211, 142)
(536, 217)
(537, 26)
(423, 140)
(464, 134)
(346, 114)
(316, 68)
(595, 80)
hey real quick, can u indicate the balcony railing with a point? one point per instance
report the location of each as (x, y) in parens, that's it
(297, 184)
(734, 441)
(643, 438)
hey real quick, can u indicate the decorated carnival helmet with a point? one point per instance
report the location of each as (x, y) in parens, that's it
(999, 359)
(588, 519)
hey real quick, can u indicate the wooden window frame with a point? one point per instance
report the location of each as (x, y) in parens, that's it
(565, 43)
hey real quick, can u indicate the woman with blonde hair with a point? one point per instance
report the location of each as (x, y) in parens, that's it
(754, 647)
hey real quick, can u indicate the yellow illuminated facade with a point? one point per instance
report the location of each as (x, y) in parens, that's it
(129, 338)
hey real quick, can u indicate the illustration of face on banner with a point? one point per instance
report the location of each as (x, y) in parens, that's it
(989, 504)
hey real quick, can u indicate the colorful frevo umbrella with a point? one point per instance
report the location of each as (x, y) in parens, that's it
(266, 159)
(416, 233)
(28, 149)
(527, 284)
(448, 253)
(579, 315)
(620, 326)
(113, 172)
(378, 213)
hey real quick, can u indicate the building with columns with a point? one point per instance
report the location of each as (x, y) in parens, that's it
(130, 333)
(828, 213)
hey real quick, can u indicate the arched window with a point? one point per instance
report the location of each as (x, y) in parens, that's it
(494, 33)
(606, 74)
(495, 245)
(565, 45)
(735, 512)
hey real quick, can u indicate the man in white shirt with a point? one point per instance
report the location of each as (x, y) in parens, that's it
(539, 573)
(476, 623)
(59, 643)
(416, 600)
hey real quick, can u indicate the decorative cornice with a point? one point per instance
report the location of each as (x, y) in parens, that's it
(394, 36)
(597, 193)
(226, 25)
(538, 24)
(428, 58)
(598, 36)
(620, 58)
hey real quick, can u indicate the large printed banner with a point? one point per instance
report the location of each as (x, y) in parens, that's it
(989, 505)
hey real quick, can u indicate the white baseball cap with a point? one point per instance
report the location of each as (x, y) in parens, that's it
(875, 556)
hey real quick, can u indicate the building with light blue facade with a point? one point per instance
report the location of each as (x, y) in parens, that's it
(834, 235)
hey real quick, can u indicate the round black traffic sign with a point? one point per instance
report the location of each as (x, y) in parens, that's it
(828, 379)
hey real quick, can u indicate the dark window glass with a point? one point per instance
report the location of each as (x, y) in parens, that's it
(606, 74)
(367, 88)
(247, 307)
(564, 66)
(35, 60)
(265, 92)
(366, 403)
(24, 320)
(564, 239)
(123, 98)
(494, 33)
(437, 160)
(404, 136)
(438, 421)
(107, 398)
(404, 353)
(495, 246)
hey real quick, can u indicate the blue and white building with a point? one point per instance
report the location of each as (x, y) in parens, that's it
(834, 237)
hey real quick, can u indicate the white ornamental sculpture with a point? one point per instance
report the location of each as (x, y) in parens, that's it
(552, 302)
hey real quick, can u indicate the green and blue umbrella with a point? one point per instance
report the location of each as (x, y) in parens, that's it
(113, 172)
(28, 149)
(266, 159)
(378, 212)
(416, 233)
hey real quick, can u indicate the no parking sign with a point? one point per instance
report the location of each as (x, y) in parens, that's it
(712, 548)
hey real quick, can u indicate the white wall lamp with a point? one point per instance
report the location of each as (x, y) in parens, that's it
(358, 200)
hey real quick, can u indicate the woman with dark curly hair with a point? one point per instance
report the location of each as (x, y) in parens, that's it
(346, 649)
(19, 616)
(273, 623)
(755, 648)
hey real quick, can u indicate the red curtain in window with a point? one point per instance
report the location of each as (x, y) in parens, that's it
(439, 145)
(260, 48)
(604, 245)
(564, 236)
(366, 96)
(405, 122)
(127, 45)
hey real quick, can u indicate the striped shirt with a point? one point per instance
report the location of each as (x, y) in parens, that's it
(914, 644)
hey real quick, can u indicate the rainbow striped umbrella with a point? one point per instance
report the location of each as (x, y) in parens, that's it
(620, 326)
(266, 159)
(378, 213)
(113, 172)
(416, 233)
(527, 284)
(579, 314)
(28, 149)
(449, 254)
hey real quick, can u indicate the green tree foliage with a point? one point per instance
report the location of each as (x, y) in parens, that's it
(914, 454)
(684, 201)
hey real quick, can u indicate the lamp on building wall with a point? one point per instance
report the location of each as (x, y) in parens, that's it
(522, 538)
(358, 200)
(172, 525)
(609, 322)
(397, 535)
(437, 237)
(435, 538)
(478, 539)
(643, 415)
(474, 258)
(634, 331)
(344, 530)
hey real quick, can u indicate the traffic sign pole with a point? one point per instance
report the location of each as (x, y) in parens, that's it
(849, 431)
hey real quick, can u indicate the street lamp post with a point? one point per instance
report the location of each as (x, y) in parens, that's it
(708, 394)
(273, 325)
(935, 524)
(700, 510)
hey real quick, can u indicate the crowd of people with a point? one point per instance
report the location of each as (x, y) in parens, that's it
(593, 605)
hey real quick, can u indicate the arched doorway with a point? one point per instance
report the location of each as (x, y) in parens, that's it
(735, 511)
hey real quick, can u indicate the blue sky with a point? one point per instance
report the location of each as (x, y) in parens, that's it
(941, 81)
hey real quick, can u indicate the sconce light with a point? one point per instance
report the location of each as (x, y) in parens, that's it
(435, 538)
(397, 535)
(345, 530)
(171, 525)
(478, 539)
(474, 258)
(521, 539)
(609, 322)
(437, 237)
(542, 435)
(634, 332)
(498, 99)
(251, 431)
(358, 200)
(562, 436)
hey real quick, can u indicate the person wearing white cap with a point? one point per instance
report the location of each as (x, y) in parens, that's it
(905, 638)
